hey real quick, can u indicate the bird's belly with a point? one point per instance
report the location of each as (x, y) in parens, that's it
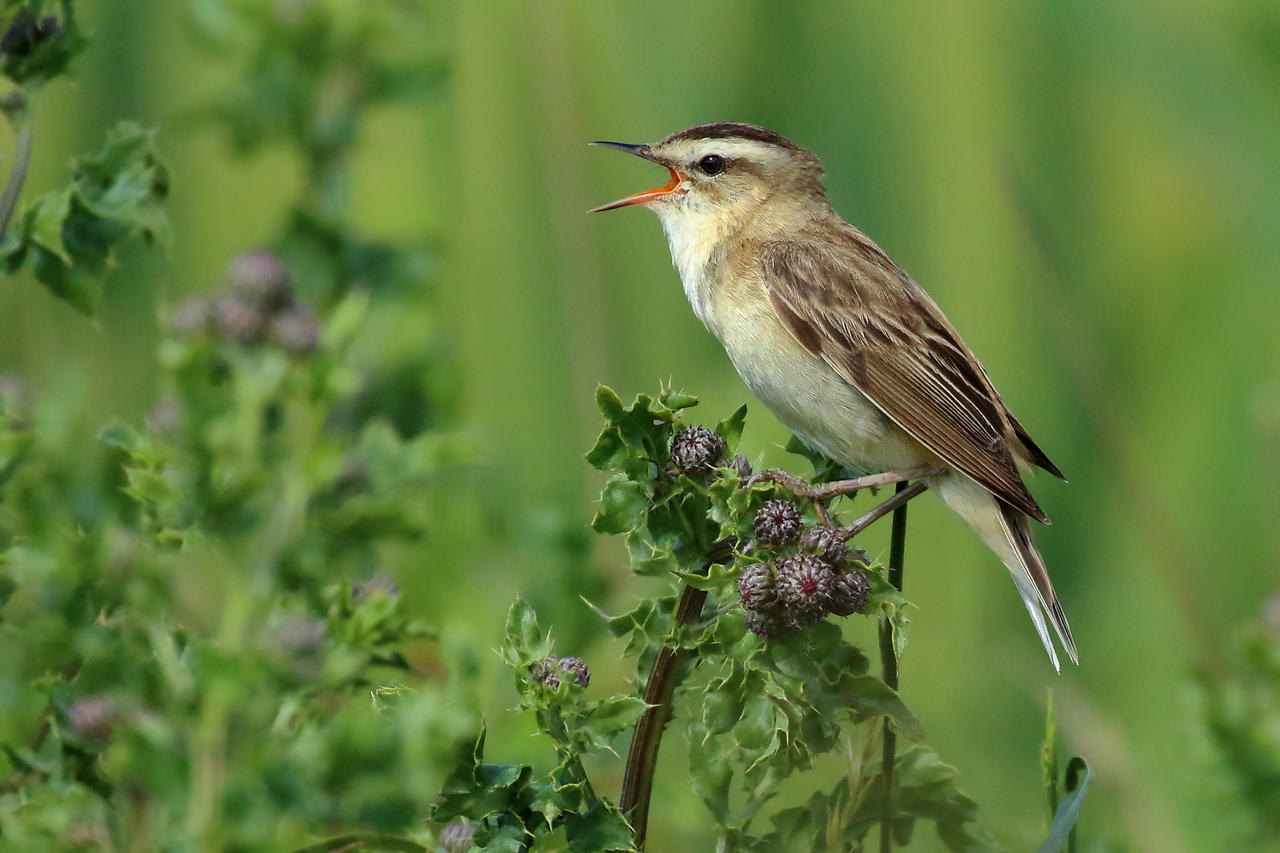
(824, 411)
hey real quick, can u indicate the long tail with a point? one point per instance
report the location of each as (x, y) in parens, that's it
(1007, 532)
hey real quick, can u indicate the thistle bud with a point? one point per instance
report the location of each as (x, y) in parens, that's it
(239, 320)
(259, 277)
(194, 316)
(766, 623)
(576, 667)
(697, 448)
(456, 837)
(296, 330)
(825, 541)
(849, 593)
(755, 587)
(777, 522)
(94, 717)
(804, 584)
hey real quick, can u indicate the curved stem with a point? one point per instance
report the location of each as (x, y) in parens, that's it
(889, 663)
(642, 757)
(17, 176)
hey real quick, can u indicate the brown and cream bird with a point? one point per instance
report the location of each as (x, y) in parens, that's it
(841, 344)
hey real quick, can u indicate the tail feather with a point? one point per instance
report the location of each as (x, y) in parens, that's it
(1018, 530)
(1007, 532)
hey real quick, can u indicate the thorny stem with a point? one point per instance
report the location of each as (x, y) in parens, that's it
(667, 673)
(17, 176)
(553, 721)
(889, 661)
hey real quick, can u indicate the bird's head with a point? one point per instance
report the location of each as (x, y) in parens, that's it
(721, 174)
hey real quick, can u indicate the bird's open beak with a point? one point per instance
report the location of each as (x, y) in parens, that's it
(648, 195)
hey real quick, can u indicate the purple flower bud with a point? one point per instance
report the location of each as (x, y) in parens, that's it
(849, 593)
(777, 522)
(196, 315)
(825, 541)
(766, 624)
(576, 667)
(804, 584)
(546, 671)
(755, 587)
(456, 837)
(259, 277)
(239, 320)
(94, 717)
(296, 330)
(740, 464)
(697, 448)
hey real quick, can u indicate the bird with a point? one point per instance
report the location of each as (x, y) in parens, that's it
(840, 343)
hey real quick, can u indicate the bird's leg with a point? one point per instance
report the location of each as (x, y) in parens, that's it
(880, 510)
(827, 491)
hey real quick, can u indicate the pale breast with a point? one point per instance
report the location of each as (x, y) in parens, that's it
(801, 390)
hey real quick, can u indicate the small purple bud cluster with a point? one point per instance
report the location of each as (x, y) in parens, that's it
(814, 573)
(260, 306)
(456, 837)
(94, 717)
(550, 671)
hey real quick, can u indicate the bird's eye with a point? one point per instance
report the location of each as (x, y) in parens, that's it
(712, 164)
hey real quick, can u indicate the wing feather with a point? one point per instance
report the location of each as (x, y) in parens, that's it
(882, 333)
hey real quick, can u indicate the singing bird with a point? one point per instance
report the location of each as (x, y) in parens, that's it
(839, 342)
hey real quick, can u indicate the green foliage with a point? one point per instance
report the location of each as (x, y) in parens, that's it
(513, 804)
(1066, 797)
(1241, 707)
(244, 719)
(69, 237)
(307, 73)
(761, 710)
(203, 648)
(38, 46)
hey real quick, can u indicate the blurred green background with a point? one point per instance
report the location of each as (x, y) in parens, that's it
(1090, 190)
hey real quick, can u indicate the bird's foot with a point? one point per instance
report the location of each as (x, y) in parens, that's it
(826, 491)
(820, 493)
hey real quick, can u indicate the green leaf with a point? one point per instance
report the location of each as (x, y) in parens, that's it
(710, 772)
(44, 222)
(125, 182)
(731, 429)
(525, 641)
(1079, 775)
(605, 719)
(623, 504)
(872, 697)
(601, 829)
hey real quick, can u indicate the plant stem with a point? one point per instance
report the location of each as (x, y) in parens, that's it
(642, 758)
(17, 176)
(889, 664)
(553, 722)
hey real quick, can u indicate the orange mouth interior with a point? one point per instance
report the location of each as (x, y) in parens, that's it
(646, 196)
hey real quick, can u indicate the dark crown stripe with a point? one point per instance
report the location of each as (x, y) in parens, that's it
(734, 130)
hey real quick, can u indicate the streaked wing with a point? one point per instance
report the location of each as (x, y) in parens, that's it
(867, 319)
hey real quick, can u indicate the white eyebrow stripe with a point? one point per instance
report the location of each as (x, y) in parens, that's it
(730, 149)
(739, 149)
